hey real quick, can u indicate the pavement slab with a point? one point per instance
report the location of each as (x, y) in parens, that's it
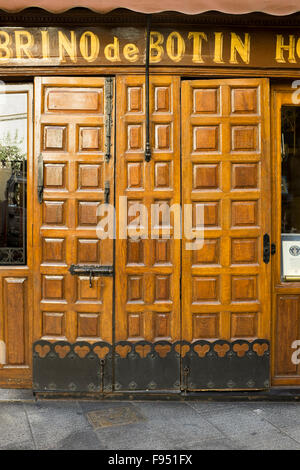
(159, 425)
(53, 422)
(15, 431)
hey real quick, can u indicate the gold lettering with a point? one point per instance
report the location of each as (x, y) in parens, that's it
(156, 40)
(175, 41)
(218, 55)
(66, 45)
(23, 47)
(197, 45)
(298, 48)
(131, 52)
(4, 46)
(112, 51)
(45, 44)
(89, 39)
(237, 46)
(280, 47)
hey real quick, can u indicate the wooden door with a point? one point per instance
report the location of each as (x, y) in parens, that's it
(16, 259)
(147, 268)
(286, 291)
(70, 138)
(226, 171)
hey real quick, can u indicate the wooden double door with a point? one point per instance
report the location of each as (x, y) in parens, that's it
(151, 297)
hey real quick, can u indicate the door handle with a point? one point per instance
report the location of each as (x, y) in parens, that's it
(91, 271)
(40, 187)
(106, 192)
(266, 248)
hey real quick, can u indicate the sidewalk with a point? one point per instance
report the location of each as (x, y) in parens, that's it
(58, 424)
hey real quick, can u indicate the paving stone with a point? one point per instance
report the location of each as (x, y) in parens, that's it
(81, 440)
(267, 441)
(236, 420)
(15, 431)
(166, 425)
(15, 394)
(48, 424)
(279, 414)
(54, 421)
(214, 444)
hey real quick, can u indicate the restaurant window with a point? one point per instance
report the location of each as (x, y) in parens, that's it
(13, 176)
(290, 192)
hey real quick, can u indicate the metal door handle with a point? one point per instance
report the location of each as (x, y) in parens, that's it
(106, 192)
(91, 271)
(40, 187)
(266, 248)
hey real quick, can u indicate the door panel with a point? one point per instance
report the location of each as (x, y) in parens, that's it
(183, 319)
(15, 236)
(70, 141)
(286, 291)
(148, 270)
(225, 164)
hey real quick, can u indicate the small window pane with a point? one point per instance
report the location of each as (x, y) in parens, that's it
(13, 178)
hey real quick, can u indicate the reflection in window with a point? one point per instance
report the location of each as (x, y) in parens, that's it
(13, 178)
(290, 169)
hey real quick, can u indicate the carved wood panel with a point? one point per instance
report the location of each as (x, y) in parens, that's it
(16, 287)
(225, 170)
(70, 135)
(148, 270)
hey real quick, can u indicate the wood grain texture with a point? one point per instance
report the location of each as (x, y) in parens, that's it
(70, 133)
(285, 295)
(16, 287)
(148, 270)
(226, 170)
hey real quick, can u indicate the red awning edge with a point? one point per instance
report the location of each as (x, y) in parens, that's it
(191, 7)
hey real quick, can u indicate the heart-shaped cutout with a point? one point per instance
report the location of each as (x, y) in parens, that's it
(182, 350)
(241, 349)
(162, 350)
(62, 351)
(221, 349)
(42, 350)
(143, 350)
(260, 349)
(82, 351)
(201, 350)
(101, 351)
(123, 351)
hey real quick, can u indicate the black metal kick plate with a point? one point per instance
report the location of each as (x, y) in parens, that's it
(77, 367)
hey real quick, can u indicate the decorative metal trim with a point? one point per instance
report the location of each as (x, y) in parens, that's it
(80, 15)
(108, 116)
(222, 364)
(12, 256)
(146, 366)
(76, 367)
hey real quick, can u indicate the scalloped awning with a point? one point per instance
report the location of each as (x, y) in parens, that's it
(273, 7)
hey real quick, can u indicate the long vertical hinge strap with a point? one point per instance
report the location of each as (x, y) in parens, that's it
(108, 116)
(147, 146)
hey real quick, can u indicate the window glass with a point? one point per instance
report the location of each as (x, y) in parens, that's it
(13, 178)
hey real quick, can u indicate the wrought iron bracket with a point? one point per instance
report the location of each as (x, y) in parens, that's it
(40, 188)
(91, 271)
(81, 270)
(108, 116)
